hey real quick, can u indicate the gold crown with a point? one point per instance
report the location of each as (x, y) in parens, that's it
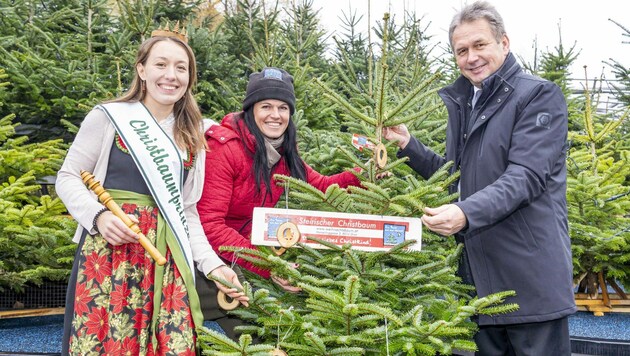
(167, 32)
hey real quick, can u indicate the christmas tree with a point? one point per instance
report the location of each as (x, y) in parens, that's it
(354, 302)
(598, 196)
(34, 232)
(54, 54)
(621, 72)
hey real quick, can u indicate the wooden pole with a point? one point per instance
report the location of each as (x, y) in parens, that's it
(109, 202)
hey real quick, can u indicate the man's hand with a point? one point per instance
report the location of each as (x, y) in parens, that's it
(226, 273)
(445, 220)
(398, 133)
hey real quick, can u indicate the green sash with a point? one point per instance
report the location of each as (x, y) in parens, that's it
(164, 237)
(160, 163)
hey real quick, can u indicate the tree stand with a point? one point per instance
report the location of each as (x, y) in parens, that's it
(592, 295)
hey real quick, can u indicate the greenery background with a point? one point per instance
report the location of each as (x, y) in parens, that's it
(59, 58)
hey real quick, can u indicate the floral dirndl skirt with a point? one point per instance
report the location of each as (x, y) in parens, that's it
(124, 303)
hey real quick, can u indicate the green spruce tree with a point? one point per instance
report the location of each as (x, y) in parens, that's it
(598, 196)
(53, 53)
(394, 302)
(597, 181)
(35, 234)
(621, 72)
(226, 54)
(304, 42)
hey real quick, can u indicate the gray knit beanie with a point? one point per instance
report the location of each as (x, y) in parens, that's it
(270, 83)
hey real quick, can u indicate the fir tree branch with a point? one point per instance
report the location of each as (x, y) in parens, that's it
(417, 94)
(344, 103)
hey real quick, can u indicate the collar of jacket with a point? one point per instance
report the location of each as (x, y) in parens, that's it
(231, 125)
(460, 90)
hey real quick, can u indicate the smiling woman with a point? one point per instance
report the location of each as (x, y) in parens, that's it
(272, 117)
(165, 77)
(147, 149)
(246, 150)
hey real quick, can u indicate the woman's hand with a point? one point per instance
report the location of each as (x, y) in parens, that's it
(285, 284)
(226, 273)
(398, 133)
(382, 175)
(114, 230)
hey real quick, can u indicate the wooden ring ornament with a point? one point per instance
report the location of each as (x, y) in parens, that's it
(278, 251)
(380, 155)
(288, 234)
(278, 352)
(222, 300)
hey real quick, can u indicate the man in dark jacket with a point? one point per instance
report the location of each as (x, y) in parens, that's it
(507, 134)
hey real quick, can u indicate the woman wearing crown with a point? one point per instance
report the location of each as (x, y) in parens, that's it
(148, 151)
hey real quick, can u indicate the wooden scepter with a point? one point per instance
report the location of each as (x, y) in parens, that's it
(108, 201)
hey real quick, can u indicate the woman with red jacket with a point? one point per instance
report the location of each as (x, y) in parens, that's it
(246, 150)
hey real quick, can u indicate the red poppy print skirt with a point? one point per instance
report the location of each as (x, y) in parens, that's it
(114, 308)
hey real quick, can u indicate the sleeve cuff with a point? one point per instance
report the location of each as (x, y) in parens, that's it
(209, 264)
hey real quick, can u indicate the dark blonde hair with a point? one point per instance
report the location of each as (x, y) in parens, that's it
(188, 131)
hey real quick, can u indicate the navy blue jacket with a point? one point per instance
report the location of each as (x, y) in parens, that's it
(512, 189)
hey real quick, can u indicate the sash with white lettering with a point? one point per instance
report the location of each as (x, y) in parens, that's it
(159, 162)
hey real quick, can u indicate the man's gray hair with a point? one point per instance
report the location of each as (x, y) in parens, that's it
(476, 11)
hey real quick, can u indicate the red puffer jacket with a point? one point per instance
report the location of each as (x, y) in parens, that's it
(229, 194)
